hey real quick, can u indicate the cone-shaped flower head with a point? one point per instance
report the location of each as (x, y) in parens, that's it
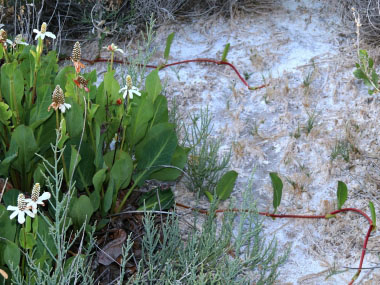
(81, 82)
(36, 198)
(76, 57)
(20, 210)
(3, 36)
(58, 100)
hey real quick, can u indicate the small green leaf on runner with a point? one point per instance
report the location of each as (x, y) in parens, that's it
(169, 41)
(226, 185)
(225, 52)
(277, 189)
(373, 213)
(341, 194)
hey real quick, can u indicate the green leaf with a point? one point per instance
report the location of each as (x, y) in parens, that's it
(12, 255)
(5, 163)
(63, 76)
(121, 173)
(153, 85)
(107, 200)
(73, 160)
(141, 114)
(156, 149)
(375, 78)
(373, 213)
(5, 113)
(108, 157)
(111, 86)
(359, 74)
(160, 111)
(7, 226)
(10, 197)
(23, 137)
(81, 211)
(39, 113)
(225, 52)
(97, 181)
(370, 62)
(64, 137)
(179, 160)
(156, 200)
(341, 194)
(74, 119)
(27, 240)
(226, 185)
(277, 189)
(169, 41)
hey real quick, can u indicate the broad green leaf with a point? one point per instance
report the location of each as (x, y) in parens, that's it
(156, 200)
(169, 41)
(5, 163)
(27, 240)
(86, 168)
(64, 137)
(226, 185)
(10, 197)
(341, 194)
(7, 226)
(41, 253)
(81, 211)
(111, 86)
(12, 255)
(373, 213)
(153, 85)
(171, 174)
(5, 113)
(160, 111)
(225, 52)
(74, 161)
(38, 174)
(370, 62)
(277, 189)
(74, 119)
(121, 173)
(375, 78)
(97, 181)
(23, 137)
(107, 200)
(156, 149)
(39, 113)
(63, 76)
(109, 157)
(141, 114)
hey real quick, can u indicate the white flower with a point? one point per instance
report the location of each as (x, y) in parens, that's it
(112, 48)
(20, 210)
(129, 89)
(36, 198)
(41, 34)
(63, 107)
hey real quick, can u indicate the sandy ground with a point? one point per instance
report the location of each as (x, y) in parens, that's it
(306, 55)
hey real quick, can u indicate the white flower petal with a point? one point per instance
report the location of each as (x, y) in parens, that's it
(14, 214)
(68, 106)
(42, 36)
(12, 208)
(21, 217)
(45, 195)
(36, 31)
(50, 35)
(30, 214)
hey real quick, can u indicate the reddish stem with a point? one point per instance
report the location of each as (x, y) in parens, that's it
(218, 62)
(266, 214)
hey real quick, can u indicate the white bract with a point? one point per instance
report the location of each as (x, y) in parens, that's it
(63, 107)
(112, 48)
(34, 203)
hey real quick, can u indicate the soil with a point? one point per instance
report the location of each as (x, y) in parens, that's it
(299, 126)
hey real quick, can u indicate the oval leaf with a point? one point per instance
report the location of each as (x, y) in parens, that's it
(226, 185)
(277, 189)
(341, 194)
(373, 213)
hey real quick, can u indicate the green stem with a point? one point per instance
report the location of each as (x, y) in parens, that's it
(14, 99)
(57, 119)
(7, 60)
(23, 256)
(112, 56)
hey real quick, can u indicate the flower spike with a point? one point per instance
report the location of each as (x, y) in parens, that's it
(76, 57)
(129, 89)
(36, 198)
(81, 82)
(58, 99)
